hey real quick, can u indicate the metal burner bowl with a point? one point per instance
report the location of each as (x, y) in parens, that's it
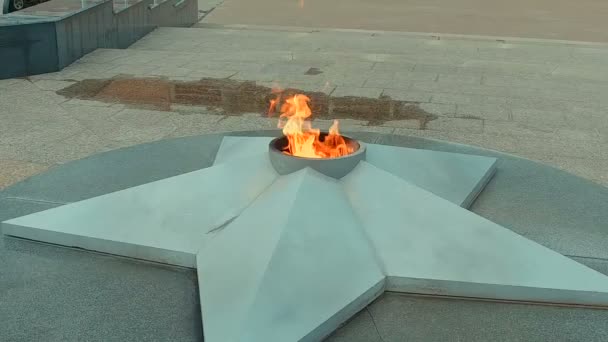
(332, 167)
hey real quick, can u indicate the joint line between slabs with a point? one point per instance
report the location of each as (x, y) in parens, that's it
(586, 257)
(374, 323)
(499, 301)
(24, 199)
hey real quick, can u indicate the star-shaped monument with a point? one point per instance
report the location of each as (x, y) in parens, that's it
(291, 257)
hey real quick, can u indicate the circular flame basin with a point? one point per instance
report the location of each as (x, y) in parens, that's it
(333, 167)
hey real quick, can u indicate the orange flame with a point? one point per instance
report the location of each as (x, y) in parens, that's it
(305, 141)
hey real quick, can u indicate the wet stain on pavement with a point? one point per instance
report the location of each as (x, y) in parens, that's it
(231, 97)
(313, 71)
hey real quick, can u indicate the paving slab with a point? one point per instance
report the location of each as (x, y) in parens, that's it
(467, 99)
(40, 129)
(52, 84)
(516, 129)
(78, 283)
(77, 146)
(94, 118)
(192, 124)
(460, 79)
(439, 109)
(468, 125)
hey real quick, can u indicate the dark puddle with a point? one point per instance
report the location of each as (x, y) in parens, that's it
(313, 71)
(230, 97)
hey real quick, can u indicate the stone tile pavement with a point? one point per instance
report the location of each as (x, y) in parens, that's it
(537, 99)
(583, 20)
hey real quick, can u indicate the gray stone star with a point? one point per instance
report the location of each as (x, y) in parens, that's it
(290, 258)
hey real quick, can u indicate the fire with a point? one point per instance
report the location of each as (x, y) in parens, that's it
(305, 141)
